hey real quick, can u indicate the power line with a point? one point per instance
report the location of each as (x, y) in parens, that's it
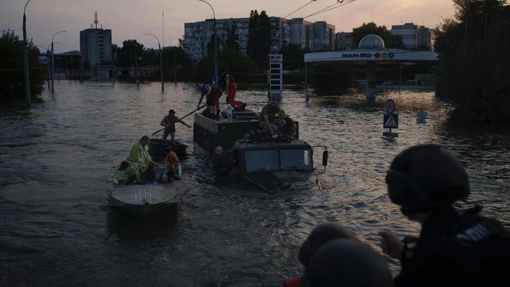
(339, 4)
(300, 8)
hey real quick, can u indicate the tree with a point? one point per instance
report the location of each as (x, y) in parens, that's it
(229, 59)
(390, 40)
(11, 69)
(475, 55)
(259, 38)
(232, 37)
(293, 57)
(126, 54)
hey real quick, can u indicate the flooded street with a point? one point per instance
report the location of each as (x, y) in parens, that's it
(57, 228)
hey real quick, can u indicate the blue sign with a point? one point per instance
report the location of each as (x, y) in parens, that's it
(390, 121)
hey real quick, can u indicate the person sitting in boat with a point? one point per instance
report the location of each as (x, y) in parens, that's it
(140, 158)
(290, 127)
(222, 161)
(212, 95)
(169, 122)
(125, 174)
(172, 167)
(268, 120)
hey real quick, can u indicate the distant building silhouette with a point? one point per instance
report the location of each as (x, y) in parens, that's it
(96, 44)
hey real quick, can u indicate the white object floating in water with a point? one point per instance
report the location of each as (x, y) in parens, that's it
(421, 115)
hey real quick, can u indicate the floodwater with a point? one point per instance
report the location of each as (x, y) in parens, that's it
(58, 230)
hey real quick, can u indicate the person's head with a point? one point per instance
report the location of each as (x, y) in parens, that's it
(144, 141)
(320, 235)
(273, 99)
(424, 178)
(124, 165)
(218, 150)
(171, 113)
(345, 262)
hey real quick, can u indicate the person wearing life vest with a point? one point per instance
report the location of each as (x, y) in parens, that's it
(230, 87)
(212, 94)
(454, 248)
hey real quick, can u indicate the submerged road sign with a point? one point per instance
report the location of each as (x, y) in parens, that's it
(390, 121)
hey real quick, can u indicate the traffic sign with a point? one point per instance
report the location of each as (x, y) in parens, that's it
(390, 106)
(390, 121)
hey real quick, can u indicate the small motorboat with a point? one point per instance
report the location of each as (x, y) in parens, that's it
(157, 147)
(143, 200)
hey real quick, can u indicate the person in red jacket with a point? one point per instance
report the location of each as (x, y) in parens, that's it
(230, 87)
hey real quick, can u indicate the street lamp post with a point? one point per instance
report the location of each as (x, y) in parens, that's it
(25, 57)
(160, 63)
(53, 62)
(49, 66)
(214, 43)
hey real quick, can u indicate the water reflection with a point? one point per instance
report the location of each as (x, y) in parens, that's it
(55, 158)
(127, 228)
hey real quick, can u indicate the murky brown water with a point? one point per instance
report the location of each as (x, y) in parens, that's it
(57, 228)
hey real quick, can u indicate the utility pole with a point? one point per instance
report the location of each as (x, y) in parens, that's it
(25, 58)
(160, 63)
(53, 62)
(215, 44)
(136, 69)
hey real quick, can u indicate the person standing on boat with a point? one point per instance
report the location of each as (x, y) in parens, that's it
(212, 94)
(169, 122)
(268, 120)
(172, 166)
(230, 87)
(139, 157)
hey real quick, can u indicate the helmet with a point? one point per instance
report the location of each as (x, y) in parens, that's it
(426, 177)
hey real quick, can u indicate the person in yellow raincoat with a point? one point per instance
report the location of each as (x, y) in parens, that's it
(139, 157)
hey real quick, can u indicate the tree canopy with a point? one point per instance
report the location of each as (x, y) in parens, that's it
(390, 40)
(12, 68)
(475, 55)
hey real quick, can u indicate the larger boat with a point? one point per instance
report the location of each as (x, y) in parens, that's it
(271, 164)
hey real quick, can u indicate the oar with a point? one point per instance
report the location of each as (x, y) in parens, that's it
(181, 118)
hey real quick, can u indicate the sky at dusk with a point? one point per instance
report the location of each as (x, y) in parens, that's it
(131, 19)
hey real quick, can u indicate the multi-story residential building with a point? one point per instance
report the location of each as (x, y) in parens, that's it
(345, 41)
(198, 35)
(301, 33)
(295, 31)
(323, 36)
(96, 44)
(413, 35)
(424, 37)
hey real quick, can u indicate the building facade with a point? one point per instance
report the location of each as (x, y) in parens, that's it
(96, 46)
(283, 32)
(301, 33)
(413, 35)
(345, 41)
(323, 36)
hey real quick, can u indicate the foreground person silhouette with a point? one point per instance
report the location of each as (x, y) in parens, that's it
(454, 248)
(320, 235)
(347, 263)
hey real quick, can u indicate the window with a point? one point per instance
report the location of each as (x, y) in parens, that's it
(296, 159)
(261, 160)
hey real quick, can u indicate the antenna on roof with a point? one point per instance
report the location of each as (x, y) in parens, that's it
(95, 19)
